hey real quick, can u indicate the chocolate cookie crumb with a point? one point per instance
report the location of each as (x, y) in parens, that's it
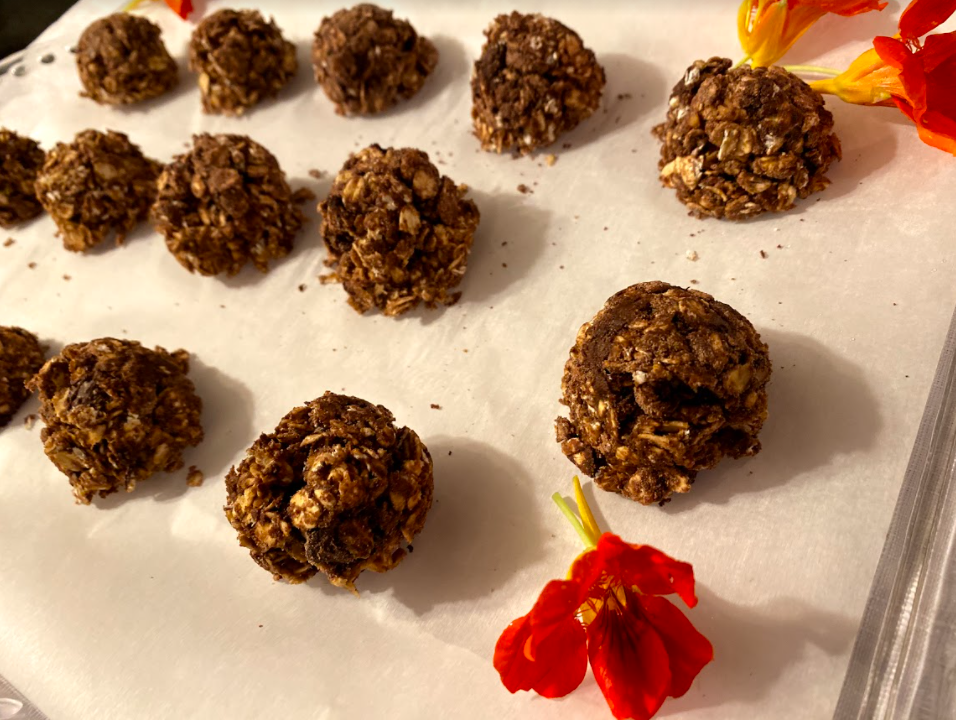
(32, 265)
(435, 406)
(225, 203)
(740, 142)
(336, 487)
(98, 184)
(115, 413)
(8, 242)
(317, 174)
(534, 81)
(398, 232)
(241, 59)
(195, 477)
(366, 60)
(662, 383)
(21, 356)
(302, 287)
(763, 254)
(20, 160)
(524, 189)
(121, 59)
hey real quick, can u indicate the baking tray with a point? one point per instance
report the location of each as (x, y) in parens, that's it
(145, 606)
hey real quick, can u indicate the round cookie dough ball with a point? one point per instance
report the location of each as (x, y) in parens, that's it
(241, 59)
(742, 141)
(662, 383)
(20, 160)
(366, 60)
(99, 183)
(225, 203)
(335, 488)
(121, 59)
(535, 80)
(398, 232)
(115, 413)
(21, 356)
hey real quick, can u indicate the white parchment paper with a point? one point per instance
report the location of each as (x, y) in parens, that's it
(145, 606)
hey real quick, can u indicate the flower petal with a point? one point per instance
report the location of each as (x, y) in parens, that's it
(921, 16)
(557, 667)
(646, 568)
(687, 650)
(629, 661)
(556, 605)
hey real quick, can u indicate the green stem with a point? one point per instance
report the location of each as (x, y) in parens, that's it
(743, 61)
(573, 519)
(814, 69)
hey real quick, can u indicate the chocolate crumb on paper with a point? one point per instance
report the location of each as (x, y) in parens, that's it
(302, 287)
(32, 265)
(317, 174)
(435, 406)
(763, 254)
(524, 189)
(195, 477)
(8, 242)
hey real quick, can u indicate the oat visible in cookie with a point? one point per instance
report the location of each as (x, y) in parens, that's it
(534, 81)
(335, 488)
(366, 60)
(21, 356)
(99, 184)
(241, 60)
(662, 383)
(115, 413)
(121, 59)
(398, 232)
(20, 160)
(224, 204)
(742, 141)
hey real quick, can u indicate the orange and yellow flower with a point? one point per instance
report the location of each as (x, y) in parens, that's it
(180, 7)
(769, 28)
(919, 77)
(611, 612)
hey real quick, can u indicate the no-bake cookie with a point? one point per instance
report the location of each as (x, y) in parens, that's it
(336, 488)
(21, 356)
(225, 203)
(241, 59)
(661, 384)
(115, 413)
(20, 160)
(98, 184)
(366, 60)
(398, 232)
(742, 141)
(121, 59)
(535, 80)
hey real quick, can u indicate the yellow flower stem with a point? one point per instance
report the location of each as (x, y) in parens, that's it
(743, 61)
(131, 5)
(812, 69)
(584, 510)
(573, 519)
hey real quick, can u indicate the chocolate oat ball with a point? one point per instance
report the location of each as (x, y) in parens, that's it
(225, 203)
(241, 59)
(336, 488)
(662, 383)
(398, 232)
(115, 413)
(366, 60)
(20, 160)
(21, 356)
(99, 183)
(535, 80)
(121, 59)
(743, 141)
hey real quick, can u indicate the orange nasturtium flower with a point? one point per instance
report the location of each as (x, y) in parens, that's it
(768, 28)
(918, 77)
(610, 611)
(180, 7)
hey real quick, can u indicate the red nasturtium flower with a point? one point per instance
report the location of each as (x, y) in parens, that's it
(769, 28)
(611, 612)
(918, 77)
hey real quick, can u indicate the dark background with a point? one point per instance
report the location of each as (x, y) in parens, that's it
(22, 20)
